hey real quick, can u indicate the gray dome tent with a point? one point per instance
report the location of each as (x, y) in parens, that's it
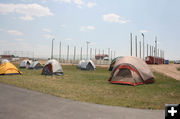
(131, 70)
(86, 65)
(25, 64)
(35, 65)
(52, 67)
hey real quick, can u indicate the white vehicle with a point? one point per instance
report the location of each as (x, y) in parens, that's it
(177, 62)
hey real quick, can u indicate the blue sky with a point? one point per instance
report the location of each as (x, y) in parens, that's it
(29, 25)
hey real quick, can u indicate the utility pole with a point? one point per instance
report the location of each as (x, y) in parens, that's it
(74, 53)
(136, 45)
(156, 46)
(59, 51)
(140, 49)
(150, 51)
(87, 49)
(90, 53)
(81, 54)
(147, 49)
(95, 53)
(52, 49)
(109, 54)
(130, 44)
(100, 56)
(155, 49)
(68, 53)
(143, 45)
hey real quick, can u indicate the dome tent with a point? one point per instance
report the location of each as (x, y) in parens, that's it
(52, 67)
(113, 62)
(25, 64)
(86, 65)
(4, 61)
(35, 65)
(131, 70)
(8, 69)
(80, 63)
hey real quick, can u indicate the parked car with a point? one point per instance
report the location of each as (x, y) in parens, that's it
(177, 62)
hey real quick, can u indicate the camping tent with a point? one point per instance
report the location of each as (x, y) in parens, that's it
(80, 63)
(8, 69)
(131, 70)
(113, 62)
(4, 61)
(25, 64)
(35, 65)
(86, 65)
(52, 67)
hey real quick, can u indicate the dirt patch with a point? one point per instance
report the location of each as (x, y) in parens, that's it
(169, 70)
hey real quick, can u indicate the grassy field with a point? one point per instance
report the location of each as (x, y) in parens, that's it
(178, 69)
(93, 87)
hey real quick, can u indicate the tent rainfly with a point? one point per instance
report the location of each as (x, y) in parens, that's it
(8, 69)
(25, 64)
(113, 62)
(35, 65)
(52, 67)
(131, 70)
(80, 63)
(86, 65)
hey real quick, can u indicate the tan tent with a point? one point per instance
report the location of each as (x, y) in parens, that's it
(131, 70)
(52, 67)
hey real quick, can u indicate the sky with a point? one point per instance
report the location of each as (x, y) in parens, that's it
(30, 25)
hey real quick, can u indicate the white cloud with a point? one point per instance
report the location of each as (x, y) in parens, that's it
(143, 31)
(114, 18)
(85, 28)
(27, 18)
(66, 1)
(68, 39)
(18, 39)
(79, 3)
(48, 36)
(46, 30)
(30, 11)
(91, 4)
(15, 32)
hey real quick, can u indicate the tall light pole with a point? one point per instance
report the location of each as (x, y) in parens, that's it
(143, 45)
(156, 46)
(81, 54)
(140, 49)
(52, 49)
(59, 51)
(136, 45)
(130, 44)
(87, 49)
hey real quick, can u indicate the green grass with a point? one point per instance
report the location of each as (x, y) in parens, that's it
(93, 87)
(178, 68)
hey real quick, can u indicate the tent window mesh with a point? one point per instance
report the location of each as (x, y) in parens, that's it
(123, 75)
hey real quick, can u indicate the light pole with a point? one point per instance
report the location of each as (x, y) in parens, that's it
(87, 49)
(143, 45)
(52, 49)
(59, 51)
(130, 44)
(136, 44)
